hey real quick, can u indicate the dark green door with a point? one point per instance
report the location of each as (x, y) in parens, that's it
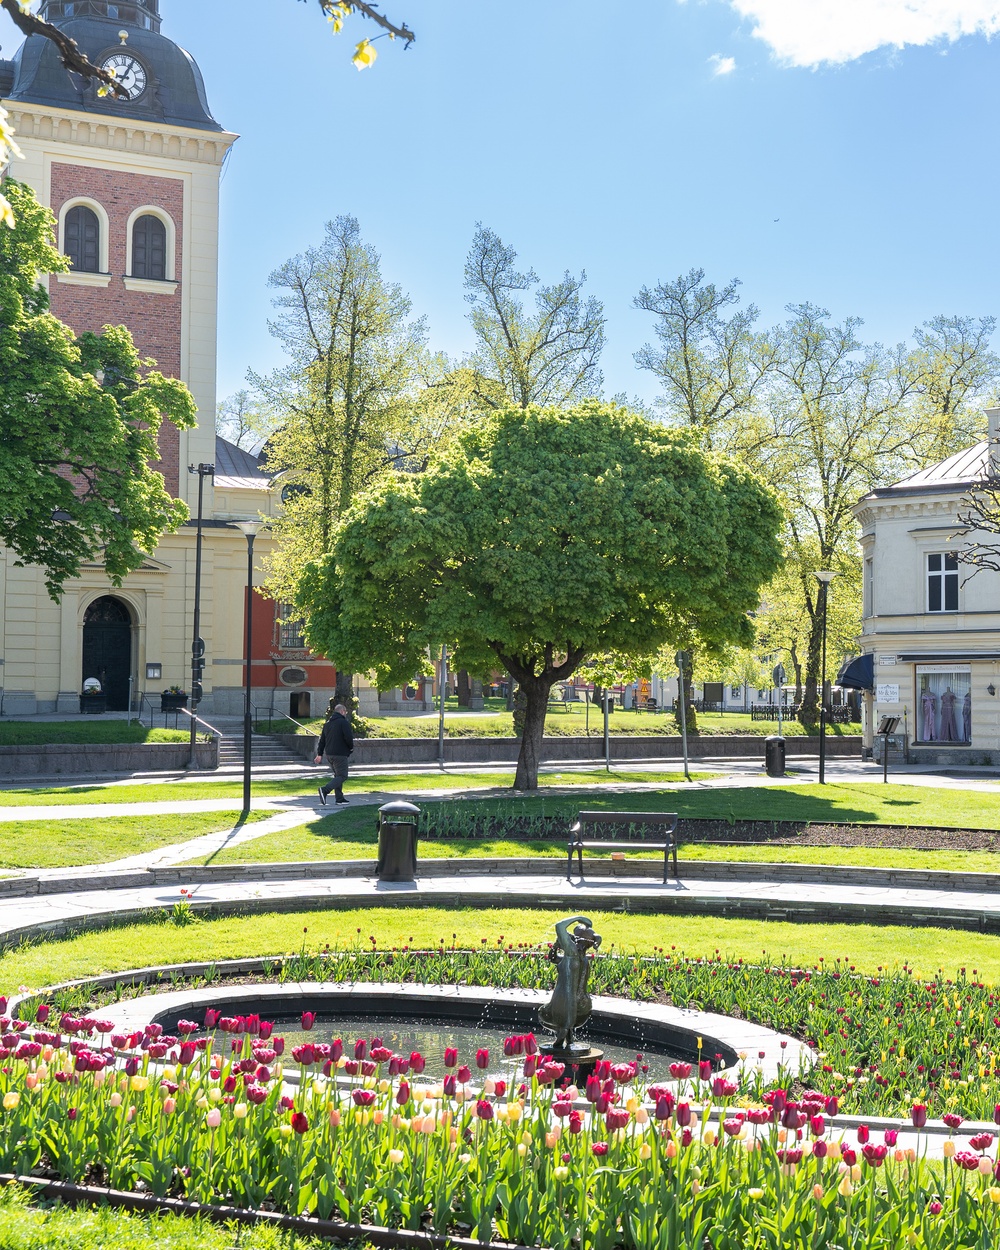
(107, 649)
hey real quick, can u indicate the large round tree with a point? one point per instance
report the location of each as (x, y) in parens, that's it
(540, 537)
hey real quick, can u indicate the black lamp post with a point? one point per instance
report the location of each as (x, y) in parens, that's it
(197, 642)
(250, 530)
(824, 577)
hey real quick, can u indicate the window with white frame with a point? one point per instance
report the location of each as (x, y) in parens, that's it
(942, 582)
(869, 587)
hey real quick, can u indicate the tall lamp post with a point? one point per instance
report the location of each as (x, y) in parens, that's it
(250, 530)
(824, 577)
(197, 642)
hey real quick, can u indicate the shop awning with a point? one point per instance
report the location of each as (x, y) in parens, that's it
(857, 674)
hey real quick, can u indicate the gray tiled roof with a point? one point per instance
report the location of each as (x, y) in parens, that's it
(233, 461)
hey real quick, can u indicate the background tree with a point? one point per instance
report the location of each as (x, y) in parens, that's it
(549, 356)
(710, 366)
(243, 420)
(953, 376)
(79, 418)
(489, 548)
(345, 407)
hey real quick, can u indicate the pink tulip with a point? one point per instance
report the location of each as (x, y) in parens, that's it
(211, 1017)
(169, 1106)
(214, 1118)
(561, 1108)
(934, 1207)
(952, 1120)
(184, 1027)
(680, 1071)
(980, 1141)
(600, 1148)
(363, 1097)
(891, 1136)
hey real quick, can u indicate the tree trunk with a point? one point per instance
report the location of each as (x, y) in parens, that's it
(814, 652)
(344, 693)
(536, 696)
(510, 692)
(797, 666)
(464, 689)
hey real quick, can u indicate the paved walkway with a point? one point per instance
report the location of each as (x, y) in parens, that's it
(463, 883)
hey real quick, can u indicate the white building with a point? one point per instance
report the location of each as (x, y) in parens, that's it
(930, 639)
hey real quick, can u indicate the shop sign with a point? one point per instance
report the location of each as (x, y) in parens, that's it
(886, 694)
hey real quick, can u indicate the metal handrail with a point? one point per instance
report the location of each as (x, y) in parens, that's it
(271, 719)
(197, 719)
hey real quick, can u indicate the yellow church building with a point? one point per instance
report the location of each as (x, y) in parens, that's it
(134, 186)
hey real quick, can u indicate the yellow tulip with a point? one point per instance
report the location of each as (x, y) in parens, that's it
(845, 1188)
(11, 1100)
(139, 1083)
(756, 1194)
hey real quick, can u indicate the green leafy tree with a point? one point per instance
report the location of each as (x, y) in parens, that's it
(79, 418)
(244, 421)
(539, 538)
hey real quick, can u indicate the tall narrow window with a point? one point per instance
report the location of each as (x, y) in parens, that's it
(290, 630)
(82, 239)
(869, 587)
(149, 248)
(942, 583)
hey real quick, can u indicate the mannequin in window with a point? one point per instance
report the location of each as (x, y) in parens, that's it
(928, 713)
(949, 725)
(967, 717)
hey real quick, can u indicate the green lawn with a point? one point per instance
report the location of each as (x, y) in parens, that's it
(572, 722)
(15, 733)
(58, 1227)
(393, 783)
(867, 947)
(63, 843)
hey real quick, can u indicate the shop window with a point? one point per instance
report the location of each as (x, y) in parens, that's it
(942, 583)
(944, 703)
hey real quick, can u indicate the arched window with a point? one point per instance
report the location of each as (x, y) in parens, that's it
(82, 239)
(149, 248)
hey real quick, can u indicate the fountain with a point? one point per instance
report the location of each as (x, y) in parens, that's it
(570, 1006)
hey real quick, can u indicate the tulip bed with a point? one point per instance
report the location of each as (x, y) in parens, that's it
(526, 1157)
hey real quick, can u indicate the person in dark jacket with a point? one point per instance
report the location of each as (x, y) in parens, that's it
(336, 743)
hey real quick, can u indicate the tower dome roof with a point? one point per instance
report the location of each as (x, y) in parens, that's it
(173, 90)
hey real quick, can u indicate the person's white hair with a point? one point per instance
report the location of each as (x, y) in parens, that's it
(341, 709)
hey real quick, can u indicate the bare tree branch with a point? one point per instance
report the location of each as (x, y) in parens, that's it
(69, 51)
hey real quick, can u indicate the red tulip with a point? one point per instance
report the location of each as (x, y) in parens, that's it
(449, 1084)
(286, 1103)
(530, 1045)
(934, 1207)
(211, 1017)
(561, 1108)
(305, 1054)
(820, 1148)
(875, 1155)
(592, 1090)
(484, 1109)
(450, 1056)
(266, 1029)
(952, 1120)
(616, 1118)
(967, 1160)
(187, 1053)
(42, 1014)
(308, 1020)
(403, 1094)
(336, 1049)
(256, 1094)
(363, 1097)
(530, 1065)
(862, 1133)
(705, 1070)
(300, 1122)
(600, 1148)
(464, 1075)
(890, 1136)
(683, 1114)
(817, 1126)
(184, 1027)
(482, 1059)
(500, 1088)
(417, 1062)
(575, 1122)
(732, 1127)
(760, 1115)
(680, 1071)
(687, 1137)
(981, 1141)
(278, 1045)
(849, 1156)
(360, 1048)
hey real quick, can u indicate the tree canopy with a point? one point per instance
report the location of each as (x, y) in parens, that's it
(537, 538)
(80, 418)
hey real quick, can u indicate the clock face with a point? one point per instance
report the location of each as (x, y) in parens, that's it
(129, 73)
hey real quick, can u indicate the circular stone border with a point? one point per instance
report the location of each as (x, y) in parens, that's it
(745, 1047)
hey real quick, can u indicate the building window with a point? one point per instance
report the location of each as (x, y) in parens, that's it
(290, 635)
(944, 703)
(82, 239)
(869, 588)
(149, 248)
(942, 583)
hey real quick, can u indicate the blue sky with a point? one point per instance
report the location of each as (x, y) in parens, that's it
(601, 136)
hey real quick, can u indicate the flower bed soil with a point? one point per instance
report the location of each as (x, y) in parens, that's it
(740, 833)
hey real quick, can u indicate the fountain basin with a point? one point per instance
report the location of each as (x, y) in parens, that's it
(634, 1026)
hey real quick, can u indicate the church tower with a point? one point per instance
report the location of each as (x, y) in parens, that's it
(134, 185)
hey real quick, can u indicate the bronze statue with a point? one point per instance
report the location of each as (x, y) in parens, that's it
(569, 1007)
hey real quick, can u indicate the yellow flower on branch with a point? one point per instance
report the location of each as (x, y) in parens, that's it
(364, 54)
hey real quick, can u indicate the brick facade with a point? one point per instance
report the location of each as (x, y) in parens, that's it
(154, 318)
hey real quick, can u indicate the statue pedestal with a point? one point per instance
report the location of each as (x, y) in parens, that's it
(578, 1055)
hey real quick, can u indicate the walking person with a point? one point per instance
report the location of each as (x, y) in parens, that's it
(336, 743)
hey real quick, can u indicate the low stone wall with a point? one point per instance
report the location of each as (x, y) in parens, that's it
(505, 750)
(81, 759)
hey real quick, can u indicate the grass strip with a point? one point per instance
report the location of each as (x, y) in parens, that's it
(63, 843)
(94, 733)
(868, 948)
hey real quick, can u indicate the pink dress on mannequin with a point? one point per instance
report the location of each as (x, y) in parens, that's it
(928, 709)
(949, 724)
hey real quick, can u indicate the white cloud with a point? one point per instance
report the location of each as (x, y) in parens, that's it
(811, 32)
(722, 64)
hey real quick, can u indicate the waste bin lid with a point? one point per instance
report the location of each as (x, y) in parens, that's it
(399, 807)
(775, 738)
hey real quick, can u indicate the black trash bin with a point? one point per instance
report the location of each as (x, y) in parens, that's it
(774, 755)
(397, 841)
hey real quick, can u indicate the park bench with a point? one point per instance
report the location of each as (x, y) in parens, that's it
(581, 836)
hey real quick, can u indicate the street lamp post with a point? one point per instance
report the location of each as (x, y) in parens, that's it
(824, 577)
(250, 530)
(197, 642)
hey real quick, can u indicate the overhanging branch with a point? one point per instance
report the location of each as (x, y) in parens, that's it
(69, 51)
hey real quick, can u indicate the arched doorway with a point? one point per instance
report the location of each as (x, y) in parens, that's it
(107, 649)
